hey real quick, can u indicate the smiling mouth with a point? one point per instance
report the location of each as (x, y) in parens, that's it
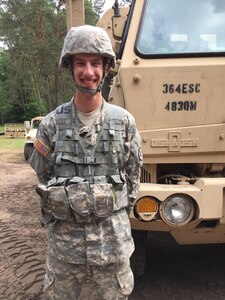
(89, 82)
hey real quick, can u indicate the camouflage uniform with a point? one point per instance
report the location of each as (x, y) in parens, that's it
(88, 241)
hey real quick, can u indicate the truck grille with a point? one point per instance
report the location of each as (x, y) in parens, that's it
(145, 176)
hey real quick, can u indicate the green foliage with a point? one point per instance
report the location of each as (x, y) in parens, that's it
(91, 16)
(4, 85)
(33, 32)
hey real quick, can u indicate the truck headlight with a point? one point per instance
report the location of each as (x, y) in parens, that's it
(177, 209)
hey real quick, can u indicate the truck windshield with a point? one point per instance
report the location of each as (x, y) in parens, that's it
(181, 27)
(36, 124)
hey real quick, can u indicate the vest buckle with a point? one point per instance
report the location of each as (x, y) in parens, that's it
(89, 160)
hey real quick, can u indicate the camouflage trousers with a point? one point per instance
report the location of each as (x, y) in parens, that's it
(66, 281)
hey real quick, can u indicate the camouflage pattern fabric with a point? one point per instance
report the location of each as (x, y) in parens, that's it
(103, 246)
(86, 39)
(100, 243)
(64, 281)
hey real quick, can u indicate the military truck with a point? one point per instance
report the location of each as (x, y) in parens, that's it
(171, 76)
(30, 138)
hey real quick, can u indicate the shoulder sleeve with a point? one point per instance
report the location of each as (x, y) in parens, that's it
(40, 159)
(134, 158)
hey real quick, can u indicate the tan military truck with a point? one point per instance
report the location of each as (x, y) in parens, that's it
(30, 138)
(171, 76)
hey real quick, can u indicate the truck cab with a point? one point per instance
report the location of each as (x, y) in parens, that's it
(170, 77)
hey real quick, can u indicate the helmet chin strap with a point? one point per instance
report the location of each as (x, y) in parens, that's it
(85, 90)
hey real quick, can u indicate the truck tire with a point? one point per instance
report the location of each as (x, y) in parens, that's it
(28, 148)
(138, 258)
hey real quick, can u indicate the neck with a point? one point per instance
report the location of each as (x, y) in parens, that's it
(86, 102)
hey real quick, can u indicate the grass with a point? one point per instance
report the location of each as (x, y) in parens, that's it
(11, 144)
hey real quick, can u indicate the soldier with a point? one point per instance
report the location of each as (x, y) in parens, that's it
(87, 157)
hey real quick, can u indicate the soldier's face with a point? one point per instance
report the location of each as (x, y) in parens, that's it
(88, 70)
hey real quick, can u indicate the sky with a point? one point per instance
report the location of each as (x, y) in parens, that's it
(108, 4)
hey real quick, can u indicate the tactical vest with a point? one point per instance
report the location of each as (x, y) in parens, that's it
(89, 179)
(74, 158)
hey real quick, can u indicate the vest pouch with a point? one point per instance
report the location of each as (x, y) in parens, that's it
(80, 198)
(46, 212)
(103, 199)
(117, 182)
(59, 202)
(121, 198)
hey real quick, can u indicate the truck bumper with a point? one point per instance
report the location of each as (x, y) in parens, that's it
(208, 222)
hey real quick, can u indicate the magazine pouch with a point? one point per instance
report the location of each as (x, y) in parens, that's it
(103, 199)
(59, 202)
(80, 199)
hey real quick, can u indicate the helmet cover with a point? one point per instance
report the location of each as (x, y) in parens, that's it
(86, 39)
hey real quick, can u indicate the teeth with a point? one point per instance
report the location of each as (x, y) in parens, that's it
(88, 82)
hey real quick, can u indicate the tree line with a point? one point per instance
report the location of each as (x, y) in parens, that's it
(32, 32)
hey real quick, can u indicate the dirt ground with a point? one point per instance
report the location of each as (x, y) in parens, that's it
(23, 240)
(173, 272)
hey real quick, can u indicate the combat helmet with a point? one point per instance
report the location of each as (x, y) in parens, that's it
(86, 39)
